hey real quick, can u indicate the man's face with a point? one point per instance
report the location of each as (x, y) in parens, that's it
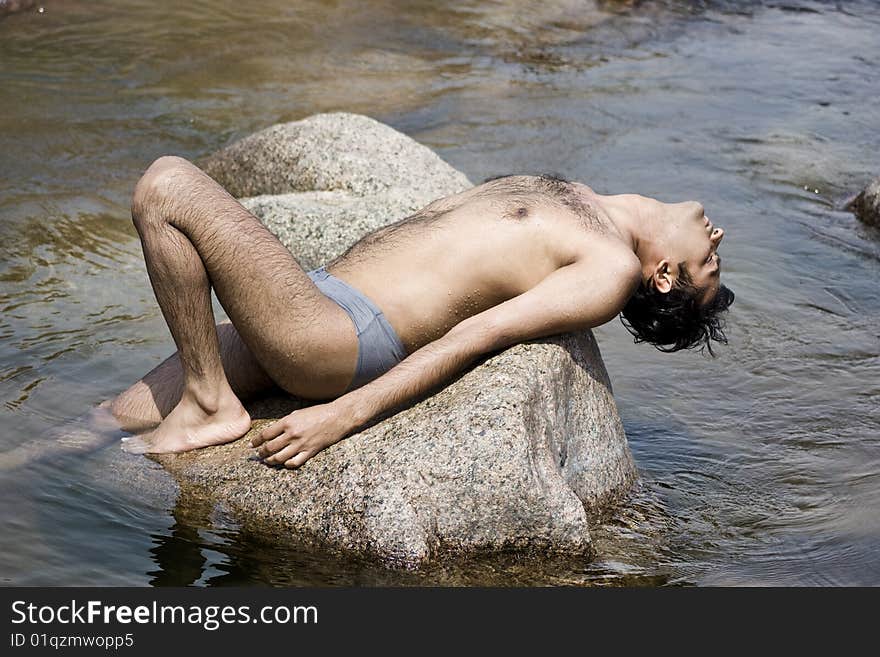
(694, 240)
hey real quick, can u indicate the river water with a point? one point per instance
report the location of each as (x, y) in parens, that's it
(761, 466)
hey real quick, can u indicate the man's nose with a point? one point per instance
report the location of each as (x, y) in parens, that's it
(716, 236)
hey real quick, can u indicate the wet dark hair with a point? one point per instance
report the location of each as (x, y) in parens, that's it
(676, 320)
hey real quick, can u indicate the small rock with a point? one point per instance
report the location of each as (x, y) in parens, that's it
(12, 6)
(866, 206)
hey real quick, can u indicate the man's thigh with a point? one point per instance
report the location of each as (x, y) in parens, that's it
(304, 341)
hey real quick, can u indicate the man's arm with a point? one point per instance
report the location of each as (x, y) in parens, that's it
(575, 297)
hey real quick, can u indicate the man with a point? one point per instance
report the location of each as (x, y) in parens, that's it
(404, 309)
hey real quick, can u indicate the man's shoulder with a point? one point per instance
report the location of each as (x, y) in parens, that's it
(612, 259)
(605, 277)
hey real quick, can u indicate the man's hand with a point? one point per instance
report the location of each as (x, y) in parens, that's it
(295, 438)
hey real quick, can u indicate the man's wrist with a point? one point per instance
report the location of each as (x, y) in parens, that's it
(351, 411)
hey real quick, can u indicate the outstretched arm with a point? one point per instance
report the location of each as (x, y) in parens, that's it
(575, 297)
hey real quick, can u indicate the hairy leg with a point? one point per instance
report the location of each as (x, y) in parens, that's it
(147, 402)
(195, 236)
(207, 412)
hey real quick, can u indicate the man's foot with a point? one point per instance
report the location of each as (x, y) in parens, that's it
(87, 433)
(189, 426)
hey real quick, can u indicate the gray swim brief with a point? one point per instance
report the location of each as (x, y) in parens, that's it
(379, 347)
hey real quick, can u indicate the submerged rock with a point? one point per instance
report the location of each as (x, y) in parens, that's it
(866, 206)
(521, 451)
(12, 6)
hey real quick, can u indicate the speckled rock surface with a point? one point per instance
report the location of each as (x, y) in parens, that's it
(521, 451)
(333, 152)
(866, 206)
(317, 226)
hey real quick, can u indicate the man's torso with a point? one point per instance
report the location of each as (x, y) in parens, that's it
(468, 252)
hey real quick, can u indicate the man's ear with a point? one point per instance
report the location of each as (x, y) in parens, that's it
(662, 277)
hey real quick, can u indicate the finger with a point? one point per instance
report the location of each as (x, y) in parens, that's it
(283, 456)
(298, 460)
(275, 445)
(272, 431)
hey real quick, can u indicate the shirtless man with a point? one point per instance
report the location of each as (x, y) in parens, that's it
(404, 309)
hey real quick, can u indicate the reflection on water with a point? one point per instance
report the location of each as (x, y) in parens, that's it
(760, 467)
(204, 548)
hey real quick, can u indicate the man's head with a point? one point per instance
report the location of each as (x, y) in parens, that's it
(680, 303)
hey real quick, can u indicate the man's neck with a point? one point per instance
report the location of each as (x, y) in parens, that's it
(631, 214)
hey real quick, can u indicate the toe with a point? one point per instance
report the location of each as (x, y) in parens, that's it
(135, 445)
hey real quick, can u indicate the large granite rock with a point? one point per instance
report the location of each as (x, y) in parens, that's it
(333, 152)
(521, 451)
(866, 206)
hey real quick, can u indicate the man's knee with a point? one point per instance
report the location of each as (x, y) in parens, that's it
(156, 188)
(136, 409)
